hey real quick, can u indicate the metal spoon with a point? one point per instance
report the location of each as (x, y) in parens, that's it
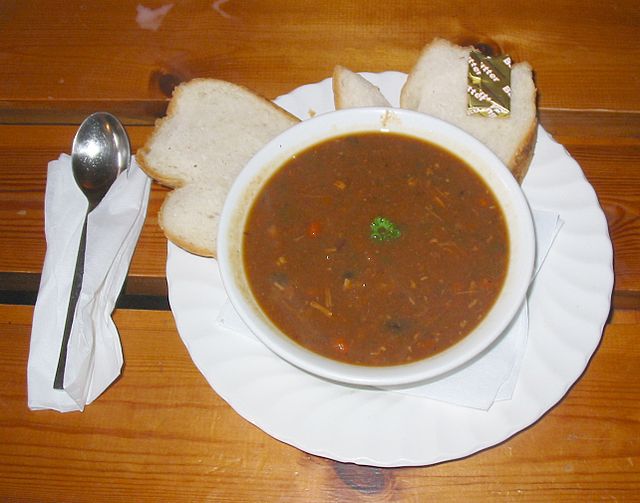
(100, 153)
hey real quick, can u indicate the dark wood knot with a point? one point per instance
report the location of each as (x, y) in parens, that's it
(364, 479)
(164, 81)
(486, 47)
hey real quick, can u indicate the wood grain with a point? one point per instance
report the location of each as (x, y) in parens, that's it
(603, 143)
(25, 152)
(607, 147)
(272, 46)
(160, 432)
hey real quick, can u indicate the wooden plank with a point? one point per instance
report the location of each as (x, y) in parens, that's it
(160, 432)
(24, 154)
(73, 111)
(272, 46)
(602, 142)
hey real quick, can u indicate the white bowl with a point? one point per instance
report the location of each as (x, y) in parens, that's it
(310, 132)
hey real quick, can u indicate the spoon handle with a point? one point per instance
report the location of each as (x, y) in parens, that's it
(76, 286)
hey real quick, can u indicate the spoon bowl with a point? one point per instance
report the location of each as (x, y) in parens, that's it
(100, 152)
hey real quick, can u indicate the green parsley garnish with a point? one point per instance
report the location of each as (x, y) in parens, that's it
(383, 229)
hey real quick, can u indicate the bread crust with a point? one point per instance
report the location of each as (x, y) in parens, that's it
(192, 246)
(142, 153)
(521, 160)
(158, 176)
(338, 99)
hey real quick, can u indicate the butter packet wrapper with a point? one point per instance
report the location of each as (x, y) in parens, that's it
(489, 85)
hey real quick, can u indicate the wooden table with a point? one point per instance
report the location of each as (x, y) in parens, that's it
(160, 433)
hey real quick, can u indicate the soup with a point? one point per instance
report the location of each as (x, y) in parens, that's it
(375, 249)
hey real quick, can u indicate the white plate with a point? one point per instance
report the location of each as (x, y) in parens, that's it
(569, 304)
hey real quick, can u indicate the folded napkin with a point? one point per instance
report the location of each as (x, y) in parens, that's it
(490, 377)
(94, 357)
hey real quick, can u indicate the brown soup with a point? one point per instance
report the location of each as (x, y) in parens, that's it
(375, 249)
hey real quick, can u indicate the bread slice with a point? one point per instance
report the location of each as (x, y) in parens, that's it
(351, 90)
(211, 130)
(437, 85)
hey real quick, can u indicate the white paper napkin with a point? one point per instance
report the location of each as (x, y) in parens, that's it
(490, 377)
(94, 357)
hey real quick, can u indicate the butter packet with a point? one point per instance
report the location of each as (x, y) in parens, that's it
(489, 85)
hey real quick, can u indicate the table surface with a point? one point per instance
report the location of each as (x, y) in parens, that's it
(160, 432)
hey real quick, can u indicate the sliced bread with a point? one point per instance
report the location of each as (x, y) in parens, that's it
(211, 129)
(437, 85)
(351, 90)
